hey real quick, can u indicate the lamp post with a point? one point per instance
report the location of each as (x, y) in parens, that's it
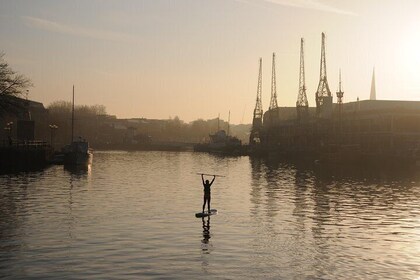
(52, 128)
(9, 127)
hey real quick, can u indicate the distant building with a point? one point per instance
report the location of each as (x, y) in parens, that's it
(29, 118)
(380, 130)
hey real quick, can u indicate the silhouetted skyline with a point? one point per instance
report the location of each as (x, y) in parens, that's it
(196, 59)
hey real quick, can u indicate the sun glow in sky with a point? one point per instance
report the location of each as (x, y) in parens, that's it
(196, 59)
(409, 56)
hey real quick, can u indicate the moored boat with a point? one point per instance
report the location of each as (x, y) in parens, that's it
(221, 143)
(78, 152)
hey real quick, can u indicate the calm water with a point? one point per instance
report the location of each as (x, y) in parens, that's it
(131, 216)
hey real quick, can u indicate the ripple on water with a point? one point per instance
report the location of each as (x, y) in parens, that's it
(131, 215)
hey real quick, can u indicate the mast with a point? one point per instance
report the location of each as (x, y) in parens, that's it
(340, 95)
(228, 124)
(72, 118)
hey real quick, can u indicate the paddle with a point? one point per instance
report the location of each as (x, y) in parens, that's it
(210, 175)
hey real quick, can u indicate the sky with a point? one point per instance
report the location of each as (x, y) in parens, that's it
(197, 59)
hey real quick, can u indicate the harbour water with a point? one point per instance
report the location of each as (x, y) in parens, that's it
(131, 215)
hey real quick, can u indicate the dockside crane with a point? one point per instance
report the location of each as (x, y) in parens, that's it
(302, 101)
(323, 91)
(254, 137)
(273, 101)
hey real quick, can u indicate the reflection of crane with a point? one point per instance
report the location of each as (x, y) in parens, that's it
(323, 88)
(273, 101)
(254, 137)
(302, 101)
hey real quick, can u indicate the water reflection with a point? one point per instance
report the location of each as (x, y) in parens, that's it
(360, 173)
(205, 242)
(282, 221)
(206, 246)
(303, 179)
(71, 217)
(9, 212)
(79, 170)
(333, 214)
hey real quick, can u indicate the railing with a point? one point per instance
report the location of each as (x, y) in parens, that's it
(29, 144)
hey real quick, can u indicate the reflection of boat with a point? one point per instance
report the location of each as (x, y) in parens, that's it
(78, 152)
(221, 143)
(56, 158)
(81, 169)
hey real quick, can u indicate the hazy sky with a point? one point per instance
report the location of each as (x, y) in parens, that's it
(196, 59)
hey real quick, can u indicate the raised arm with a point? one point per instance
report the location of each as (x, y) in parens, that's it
(214, 177)
(202, 178)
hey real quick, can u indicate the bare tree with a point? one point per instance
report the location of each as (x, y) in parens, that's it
(12, 85)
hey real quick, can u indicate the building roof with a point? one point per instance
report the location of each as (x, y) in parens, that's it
(363, 106)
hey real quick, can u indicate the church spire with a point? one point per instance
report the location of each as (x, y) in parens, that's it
(373, 87)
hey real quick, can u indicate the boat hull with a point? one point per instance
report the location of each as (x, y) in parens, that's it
(77, 158)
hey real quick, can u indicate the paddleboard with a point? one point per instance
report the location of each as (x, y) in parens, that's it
(206, 213)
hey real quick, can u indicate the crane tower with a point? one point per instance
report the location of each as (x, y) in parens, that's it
(302, 101)
(273, 101)
(323, 93)
(254, 137)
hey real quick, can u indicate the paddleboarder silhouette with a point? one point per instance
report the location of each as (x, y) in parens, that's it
(207, 193)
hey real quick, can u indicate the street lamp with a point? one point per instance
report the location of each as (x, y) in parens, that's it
(9, 127)
(52, 128)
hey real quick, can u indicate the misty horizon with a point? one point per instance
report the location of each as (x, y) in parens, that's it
(197, 60)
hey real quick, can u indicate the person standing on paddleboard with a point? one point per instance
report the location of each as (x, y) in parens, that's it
(207, 195)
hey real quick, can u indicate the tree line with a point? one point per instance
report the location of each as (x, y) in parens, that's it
(94, 124)
(103, 130)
